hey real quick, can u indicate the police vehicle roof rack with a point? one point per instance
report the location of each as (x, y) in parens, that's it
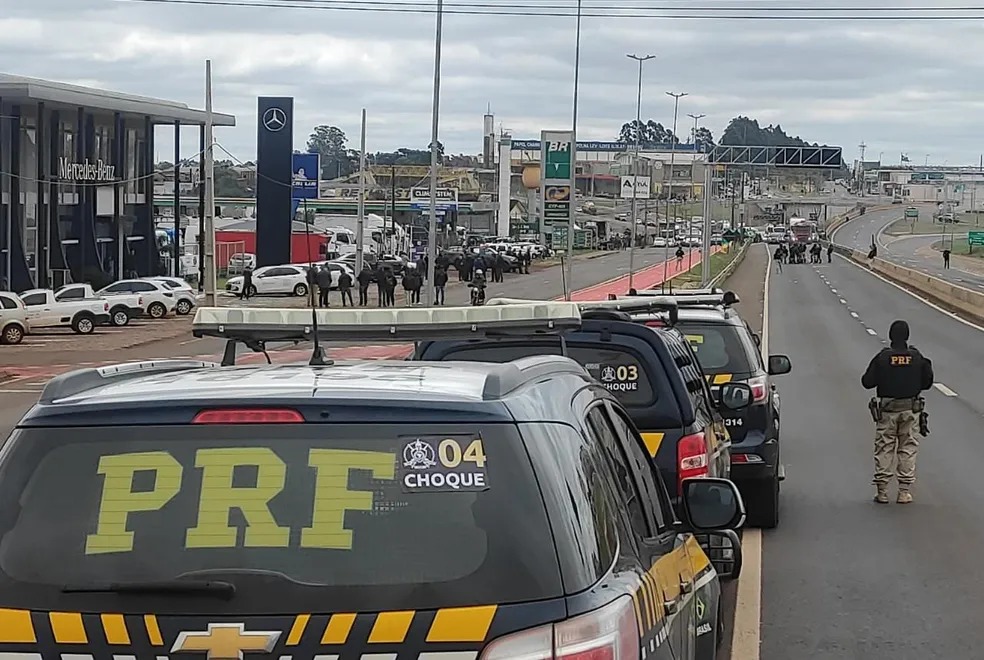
(694, 298)
(610, 309)
(82, 380)
(255, 327)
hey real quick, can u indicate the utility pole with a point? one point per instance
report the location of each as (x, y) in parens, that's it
(435, 162)
(360, 236)
(635, 167)
(669, 192)
(209, 183)
(569, 279)
(861, 148)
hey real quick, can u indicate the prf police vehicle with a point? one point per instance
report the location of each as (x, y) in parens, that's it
(729, 352)
(433, 511)
(653, 373)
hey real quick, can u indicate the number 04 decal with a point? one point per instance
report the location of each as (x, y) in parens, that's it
(444, 464)
(451, 455)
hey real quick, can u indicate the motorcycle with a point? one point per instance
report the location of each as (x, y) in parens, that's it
(477, 296)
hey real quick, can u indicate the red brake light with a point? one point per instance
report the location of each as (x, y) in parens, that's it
(248, 416)
(691, 458)
(106, 307)
(140, 301)
(655, 324)
(760, 389)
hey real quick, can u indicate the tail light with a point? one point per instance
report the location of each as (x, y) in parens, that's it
(248, 416)
(608, 633)
(140, 301)
(760, 389)
(746, 459)
(655, 324)
(105, 306)
(691, 458)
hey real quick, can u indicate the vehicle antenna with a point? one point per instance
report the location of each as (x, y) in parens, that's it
(318, 354)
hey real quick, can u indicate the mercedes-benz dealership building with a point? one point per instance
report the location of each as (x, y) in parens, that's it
(77, 181)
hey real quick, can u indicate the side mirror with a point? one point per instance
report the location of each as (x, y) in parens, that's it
(712, 505)
(779, 364)
(735, 396)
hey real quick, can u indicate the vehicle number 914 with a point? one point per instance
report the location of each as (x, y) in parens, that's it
(734, 421)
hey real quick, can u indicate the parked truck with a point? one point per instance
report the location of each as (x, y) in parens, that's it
(82, 316)
(122, 306)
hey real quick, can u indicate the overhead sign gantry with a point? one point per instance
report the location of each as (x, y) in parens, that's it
(821, 157)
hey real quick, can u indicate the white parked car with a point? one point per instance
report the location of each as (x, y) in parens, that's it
(158, 300)
(82, 316)
(273, 279)
(122, 306)
(241, 260)
(13, 319)
(184, 294)
(660, 242)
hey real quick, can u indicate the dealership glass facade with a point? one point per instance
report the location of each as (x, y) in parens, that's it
(76, 195)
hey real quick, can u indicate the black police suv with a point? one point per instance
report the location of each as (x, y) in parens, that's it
(445, 511)
(729, 352)
(654, 374)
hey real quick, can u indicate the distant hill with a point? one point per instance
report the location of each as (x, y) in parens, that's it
(746, 132)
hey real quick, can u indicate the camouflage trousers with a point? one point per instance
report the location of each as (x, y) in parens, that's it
(896, 447)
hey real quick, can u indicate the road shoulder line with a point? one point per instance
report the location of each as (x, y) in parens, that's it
(746, 631)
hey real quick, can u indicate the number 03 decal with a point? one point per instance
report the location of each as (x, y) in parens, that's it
(627, 372)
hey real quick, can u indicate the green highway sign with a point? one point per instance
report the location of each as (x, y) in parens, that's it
(975, 238)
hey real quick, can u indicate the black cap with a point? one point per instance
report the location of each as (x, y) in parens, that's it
(898, 333)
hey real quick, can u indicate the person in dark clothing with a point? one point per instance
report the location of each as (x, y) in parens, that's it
(312, 281)
(389, 287)
(465, 269)
(247, 284)
(873, 252)
(440, 281)
(946, 258)
(324, 285)
(898, 374)
(830, 252)
(381, 286)
(345, 287)
(412, 282)
(365, 279)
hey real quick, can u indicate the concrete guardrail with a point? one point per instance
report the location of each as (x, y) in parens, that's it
(731, 267)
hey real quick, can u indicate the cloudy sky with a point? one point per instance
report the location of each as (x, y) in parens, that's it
(910, 86)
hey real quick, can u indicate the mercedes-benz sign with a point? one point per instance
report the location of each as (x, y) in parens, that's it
(274, 119)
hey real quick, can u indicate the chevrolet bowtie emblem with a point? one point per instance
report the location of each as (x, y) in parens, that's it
(225, 641)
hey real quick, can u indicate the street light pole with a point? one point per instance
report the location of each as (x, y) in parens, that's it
(435, 114)
(569, 280)
(669, 193)
(693, 180)
(635, 166)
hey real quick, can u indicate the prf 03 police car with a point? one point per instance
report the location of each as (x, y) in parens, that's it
(405, 510)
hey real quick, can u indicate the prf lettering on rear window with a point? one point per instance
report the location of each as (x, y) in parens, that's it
(901, 360)
(332, 496)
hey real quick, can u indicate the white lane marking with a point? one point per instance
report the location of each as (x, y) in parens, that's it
(833, 290)
(11, 391)
(843, 302)
(871, 332)
(911, 293)
(747, 629)
(854, 314)
(944, 389)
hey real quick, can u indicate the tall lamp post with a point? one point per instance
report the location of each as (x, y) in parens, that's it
(669, 193)
(569, 279)
(693, 180)
(635, 165)
(432, 222)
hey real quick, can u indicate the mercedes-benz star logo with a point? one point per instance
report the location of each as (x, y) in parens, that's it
(274, 119)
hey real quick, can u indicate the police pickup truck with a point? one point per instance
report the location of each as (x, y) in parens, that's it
(45, 311)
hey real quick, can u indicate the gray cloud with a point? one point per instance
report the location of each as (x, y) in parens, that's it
(900, 86)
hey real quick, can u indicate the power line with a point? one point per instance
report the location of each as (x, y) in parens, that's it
(777, 13)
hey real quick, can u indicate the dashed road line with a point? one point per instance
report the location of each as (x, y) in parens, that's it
(944, 389)
(843, 302)
(833, 290)
(871, 332)
(854, 314)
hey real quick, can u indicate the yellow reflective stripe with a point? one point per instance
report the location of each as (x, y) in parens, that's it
(652, 442)
(462, 624)
(636, 596)
(297, 630)
(115, 628)
(655, 605)
(338, 629)
(67, 628)
(698, 558)
(153, 630)
(721, 379)
(16, 627)
(391, 627)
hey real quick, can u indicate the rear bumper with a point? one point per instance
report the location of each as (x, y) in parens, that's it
(754, 459)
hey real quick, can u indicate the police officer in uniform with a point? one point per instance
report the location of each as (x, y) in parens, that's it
(898, 374)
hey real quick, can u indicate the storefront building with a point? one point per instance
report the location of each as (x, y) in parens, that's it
(77, 184)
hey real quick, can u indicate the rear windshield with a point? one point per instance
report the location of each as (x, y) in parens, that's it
(719, 348)
(619, 370)
(377, 516)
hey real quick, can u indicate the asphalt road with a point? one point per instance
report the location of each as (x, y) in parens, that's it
(858, 234)
(842, 576)
(16, 397)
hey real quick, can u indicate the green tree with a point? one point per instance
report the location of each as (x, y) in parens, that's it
(227, 181)
(705, 136)
(336, 158)
(650, 132)
(405, 156)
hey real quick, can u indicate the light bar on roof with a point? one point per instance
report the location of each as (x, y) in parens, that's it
(629, 304)
(690, 299)
(406, 324)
